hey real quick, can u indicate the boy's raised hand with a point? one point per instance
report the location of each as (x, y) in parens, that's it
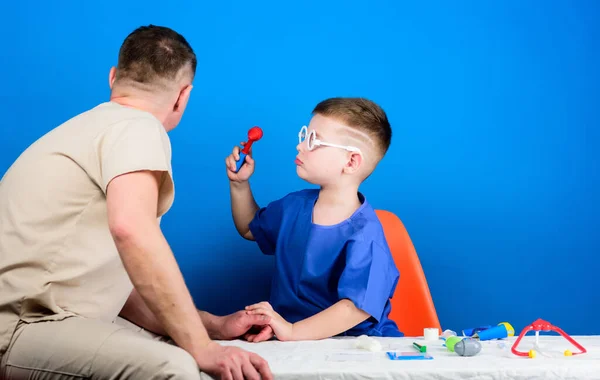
(245, 171)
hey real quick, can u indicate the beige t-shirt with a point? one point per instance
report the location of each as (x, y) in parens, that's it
(57, 256)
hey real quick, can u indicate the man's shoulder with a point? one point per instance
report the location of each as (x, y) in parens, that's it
(108, 114)
(113, 115)
(111, 107)
(110, 123)
(106, 121)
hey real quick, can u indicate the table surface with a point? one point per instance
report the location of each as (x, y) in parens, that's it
(339, 358)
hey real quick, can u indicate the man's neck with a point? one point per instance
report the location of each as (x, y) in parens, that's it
(142, 103)
(335, 204)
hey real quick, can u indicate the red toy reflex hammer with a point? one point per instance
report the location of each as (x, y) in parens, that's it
(541, 325)
(254, 134)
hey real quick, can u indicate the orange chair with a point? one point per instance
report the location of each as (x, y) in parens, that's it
(412, 305)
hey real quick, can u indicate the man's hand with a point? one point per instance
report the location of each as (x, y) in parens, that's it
(264, 334)
(230, 363)
(283, 329)
(240, 324)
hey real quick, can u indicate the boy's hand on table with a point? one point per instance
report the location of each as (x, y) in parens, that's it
(266, 332)
(282, 329)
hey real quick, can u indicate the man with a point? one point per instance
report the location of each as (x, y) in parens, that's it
(80, 240)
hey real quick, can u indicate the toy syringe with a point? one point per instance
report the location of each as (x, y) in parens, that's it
(254, 134)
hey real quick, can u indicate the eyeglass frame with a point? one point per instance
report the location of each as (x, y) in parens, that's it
(317, 142)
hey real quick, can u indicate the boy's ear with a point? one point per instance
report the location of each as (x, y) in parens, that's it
(354, 162)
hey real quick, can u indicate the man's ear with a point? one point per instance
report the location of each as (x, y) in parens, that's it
(182, 100)
(112, 75)
(354, 163)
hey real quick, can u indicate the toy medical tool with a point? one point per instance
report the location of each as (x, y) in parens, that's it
(541, 325)
(367, 343)
(503, 330)
(431, 334)
(467, 347)
(463, 346)
(254, 134)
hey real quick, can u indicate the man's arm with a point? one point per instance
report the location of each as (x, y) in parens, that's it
(218, 327)
(136, 311)
(332, 321)
(132, 201)
(232, 326)
(243, 207)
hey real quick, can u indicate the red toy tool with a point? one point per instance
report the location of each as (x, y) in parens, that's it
(254, 134)
(541, 325)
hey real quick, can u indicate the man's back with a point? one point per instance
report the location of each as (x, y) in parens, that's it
(57, 256)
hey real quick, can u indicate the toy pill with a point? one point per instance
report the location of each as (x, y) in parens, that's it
(467, 347)
(451, 342)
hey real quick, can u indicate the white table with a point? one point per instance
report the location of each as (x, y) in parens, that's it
(339, 359)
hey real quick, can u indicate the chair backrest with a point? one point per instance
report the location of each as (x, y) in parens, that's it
(412, 305)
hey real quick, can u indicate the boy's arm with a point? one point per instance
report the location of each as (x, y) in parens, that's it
(332, 321)
(243, 207)
(356, 287)
(250, 225)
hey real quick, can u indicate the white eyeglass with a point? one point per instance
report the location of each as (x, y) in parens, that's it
(312, 141)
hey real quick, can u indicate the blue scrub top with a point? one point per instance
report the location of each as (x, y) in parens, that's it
(317, 266)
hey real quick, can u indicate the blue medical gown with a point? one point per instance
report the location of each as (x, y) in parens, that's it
(317, 266)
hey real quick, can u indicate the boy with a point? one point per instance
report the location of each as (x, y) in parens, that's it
(334, 271)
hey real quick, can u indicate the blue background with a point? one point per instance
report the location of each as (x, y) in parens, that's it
(494, 108)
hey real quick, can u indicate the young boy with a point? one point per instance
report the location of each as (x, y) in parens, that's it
(334, 271)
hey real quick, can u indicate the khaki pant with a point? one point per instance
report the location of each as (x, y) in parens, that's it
(79, 348)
